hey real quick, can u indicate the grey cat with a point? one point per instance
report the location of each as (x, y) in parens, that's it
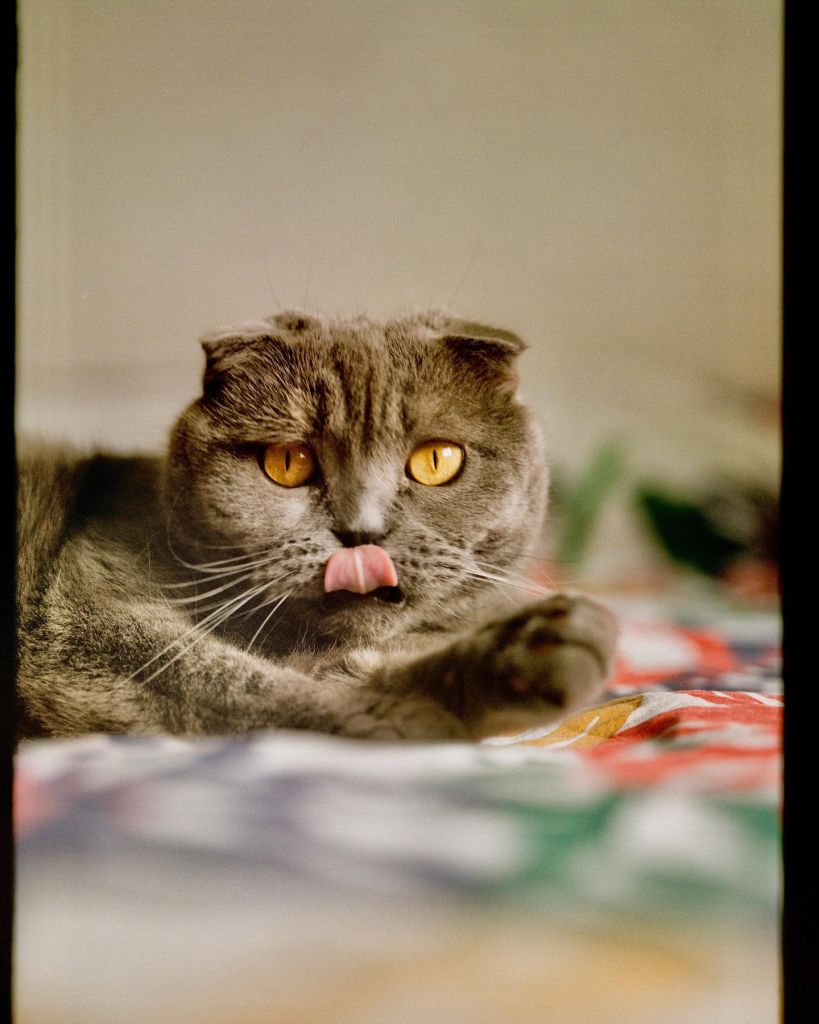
(327, 545)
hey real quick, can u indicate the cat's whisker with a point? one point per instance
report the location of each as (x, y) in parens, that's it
(270, 629)
(195, 598)
(214, 620)
(464, 278)
(216, 605)
(272, 289)
(309, 279)
(249, 548)
(477, 586)
(507, 574)
(213, 578)
(527, 584)
(501, 571)
(215, 574)
(191, 585)
(193, 601)
(520, 584)
(553, 581)
(245, 550)
(278, 603)
(221, 562)
(548, 577)
(263, 604)
(228, 565)
(224, 611)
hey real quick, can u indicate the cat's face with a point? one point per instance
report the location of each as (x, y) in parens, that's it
(310, 436)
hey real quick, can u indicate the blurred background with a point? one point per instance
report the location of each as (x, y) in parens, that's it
(603, 178)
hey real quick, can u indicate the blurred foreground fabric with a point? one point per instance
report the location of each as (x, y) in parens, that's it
(621, 865)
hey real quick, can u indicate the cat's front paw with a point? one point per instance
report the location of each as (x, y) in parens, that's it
(547, 659)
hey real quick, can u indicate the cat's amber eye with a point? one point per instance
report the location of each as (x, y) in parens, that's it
(435, 462)
(289, 465)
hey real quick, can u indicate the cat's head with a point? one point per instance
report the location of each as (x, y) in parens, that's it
(313, 435)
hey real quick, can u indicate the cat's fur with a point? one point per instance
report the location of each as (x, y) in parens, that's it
(108, 629)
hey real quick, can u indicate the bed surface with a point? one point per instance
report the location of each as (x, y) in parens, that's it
(620, 866)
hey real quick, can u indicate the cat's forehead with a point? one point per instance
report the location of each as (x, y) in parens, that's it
(374, 380)
(296, 348)
(297, 372)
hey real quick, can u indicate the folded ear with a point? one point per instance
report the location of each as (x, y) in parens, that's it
(493, 342)
(294, 321)
(489, 351)
(231, 347)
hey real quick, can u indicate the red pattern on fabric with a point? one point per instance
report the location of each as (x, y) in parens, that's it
(700, 720)
(749, 768)
(732, 698)
(33, 804)
(709, 651)
(733, 731)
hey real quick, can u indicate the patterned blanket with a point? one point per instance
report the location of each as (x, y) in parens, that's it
(619, 865)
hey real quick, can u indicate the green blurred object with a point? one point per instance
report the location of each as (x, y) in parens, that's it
(730, 519)
(582, 502)
(686, 533)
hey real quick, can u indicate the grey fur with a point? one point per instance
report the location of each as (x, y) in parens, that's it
(114, 638)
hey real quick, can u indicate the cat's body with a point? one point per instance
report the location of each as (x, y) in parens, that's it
(208, 592)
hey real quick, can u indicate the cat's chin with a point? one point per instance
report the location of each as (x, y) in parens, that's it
(345, 617)
(340, 599)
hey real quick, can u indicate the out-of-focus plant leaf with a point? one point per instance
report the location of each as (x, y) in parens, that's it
(583, 501)
(685, 532)
(747, 513)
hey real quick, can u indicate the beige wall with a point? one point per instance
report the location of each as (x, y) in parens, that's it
(601, 175)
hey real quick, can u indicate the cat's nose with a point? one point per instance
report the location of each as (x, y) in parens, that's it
(354, 538)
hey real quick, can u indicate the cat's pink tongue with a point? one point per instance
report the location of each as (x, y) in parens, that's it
(360, 570)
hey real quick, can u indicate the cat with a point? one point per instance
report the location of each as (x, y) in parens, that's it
(327, 545)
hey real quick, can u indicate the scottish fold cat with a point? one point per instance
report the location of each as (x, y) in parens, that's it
(329, 544)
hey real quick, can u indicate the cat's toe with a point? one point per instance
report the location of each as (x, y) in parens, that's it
(553, 656)
(546, 629)
(562, 673)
